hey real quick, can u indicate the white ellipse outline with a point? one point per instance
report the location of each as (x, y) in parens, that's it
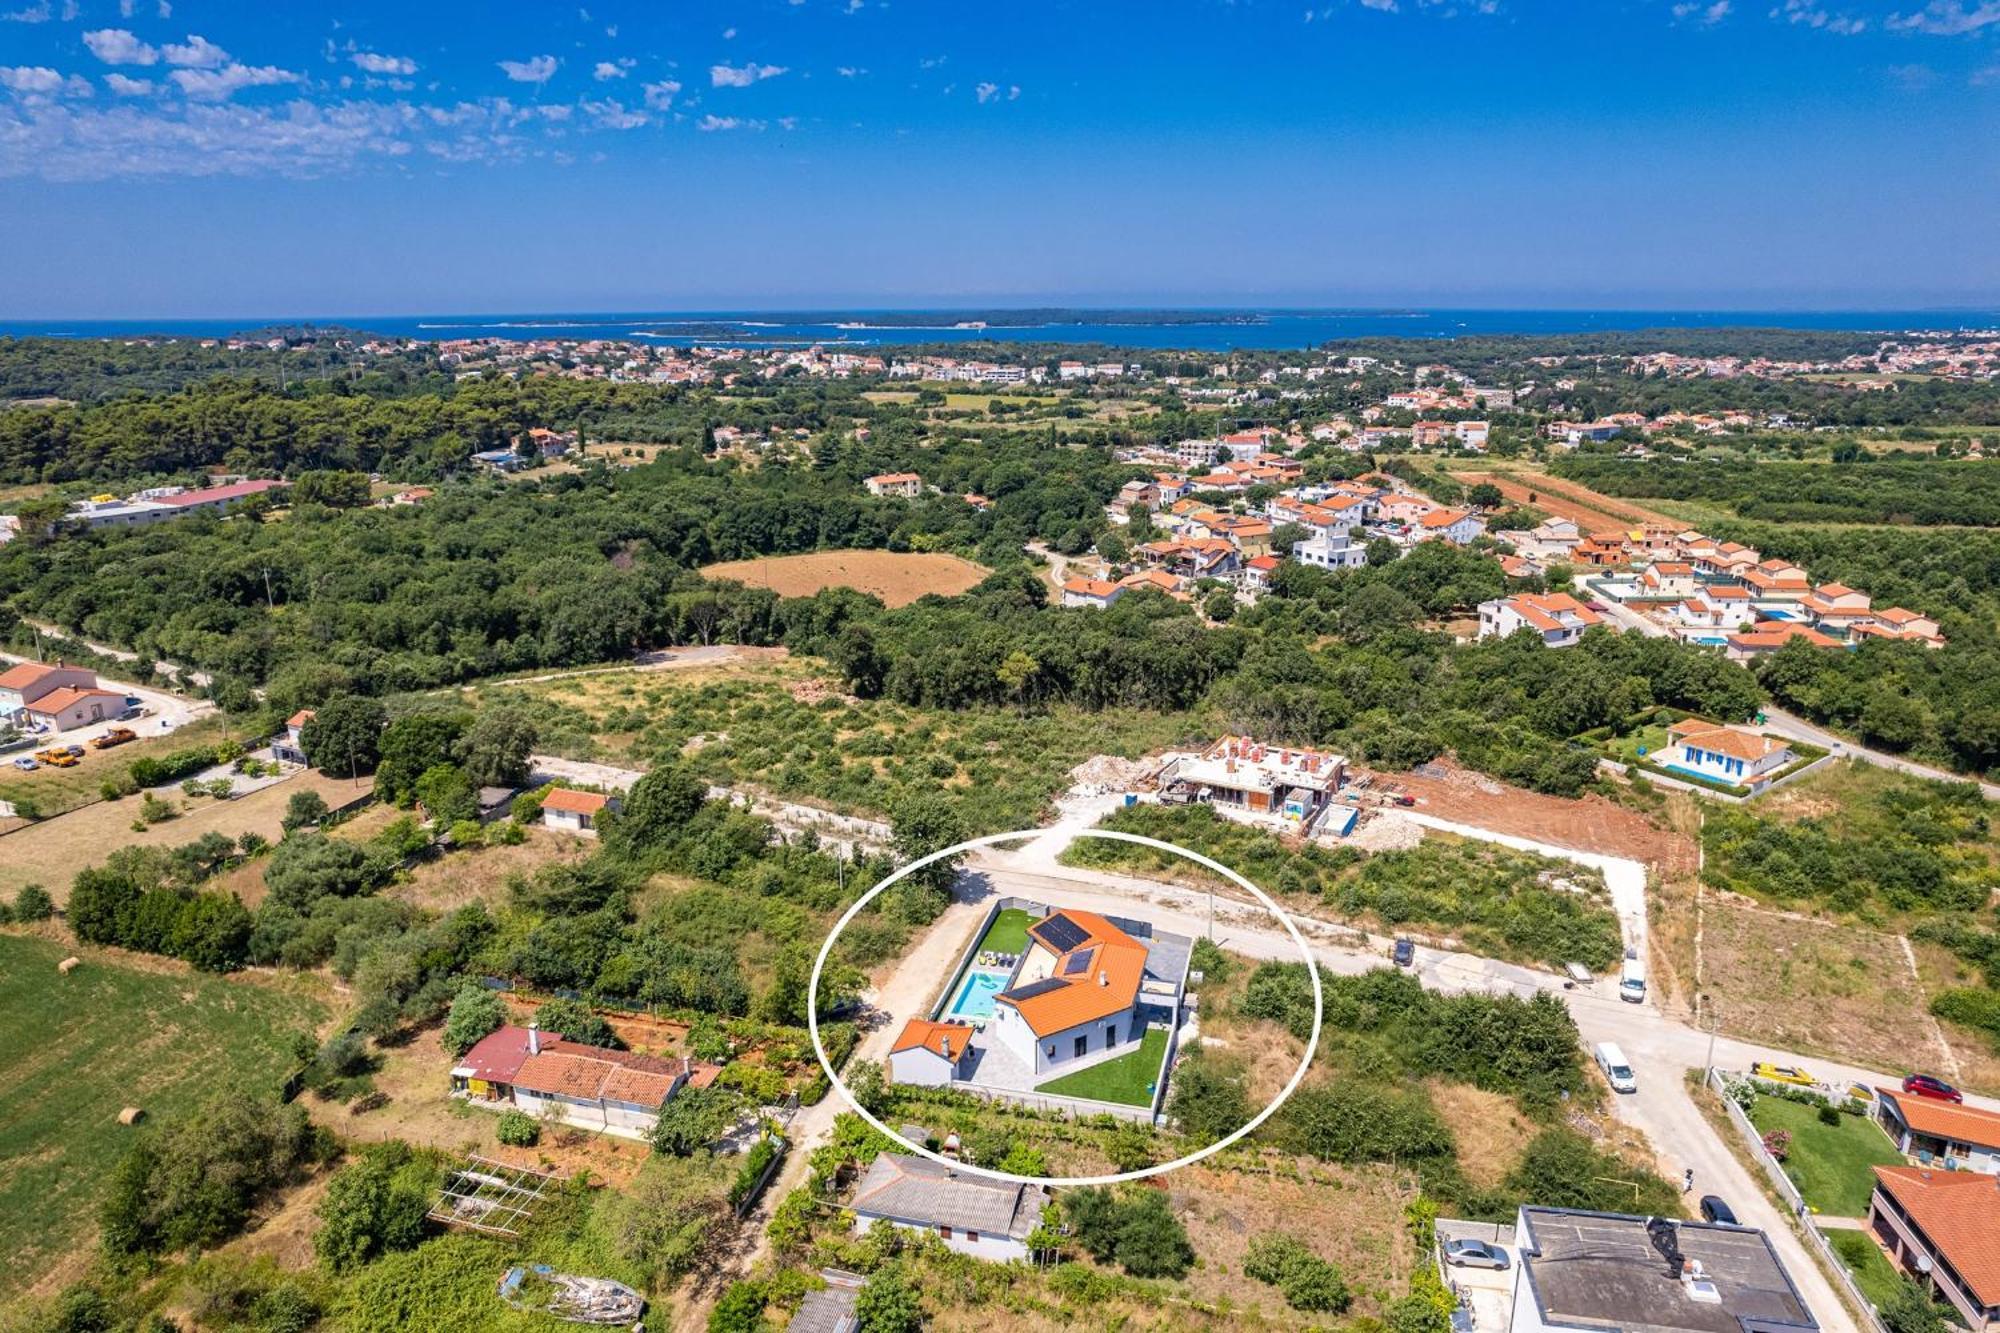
(1298, 1076)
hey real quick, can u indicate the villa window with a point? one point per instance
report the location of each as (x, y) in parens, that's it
(1083, 1043)
(972, 1237)
(944, 1232)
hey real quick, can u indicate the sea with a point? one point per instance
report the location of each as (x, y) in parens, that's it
(1213, 330)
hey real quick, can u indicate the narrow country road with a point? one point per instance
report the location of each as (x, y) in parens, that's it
(1798, 729)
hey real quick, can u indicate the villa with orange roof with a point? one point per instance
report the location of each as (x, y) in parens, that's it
(1096, 593)
(1768, 636)
(1558, 617)
(1079, 991)
(1718, 753)
(1943, 1229)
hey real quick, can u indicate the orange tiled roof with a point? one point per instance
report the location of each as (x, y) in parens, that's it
(1959, 1213)
(576, 802)
(1108, 985)
(1090, 587)
(58, 699)
(1946, 1120)
(23, 675)
(1724, 740)
(932, 1037)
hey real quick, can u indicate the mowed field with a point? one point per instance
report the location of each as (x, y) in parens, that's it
(897, 577)
(83, 1047)
(51, 852)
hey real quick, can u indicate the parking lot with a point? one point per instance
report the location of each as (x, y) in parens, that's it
(1488, 1293)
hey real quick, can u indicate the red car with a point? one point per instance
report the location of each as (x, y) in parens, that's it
(1923, 1085)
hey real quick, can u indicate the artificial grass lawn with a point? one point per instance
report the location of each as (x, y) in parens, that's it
(1122, 1080)
(105, 1037)
(1828, 1163)
(1008, 933)
(1877, 1277)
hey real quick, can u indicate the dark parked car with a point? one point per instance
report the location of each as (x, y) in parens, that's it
(1923, 1085)
(1474, 1254)
(1405, 952)
(1715, 1210)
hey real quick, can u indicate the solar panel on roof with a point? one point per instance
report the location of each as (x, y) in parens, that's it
(1060, 933)
(1079, 962)
(1034, 988)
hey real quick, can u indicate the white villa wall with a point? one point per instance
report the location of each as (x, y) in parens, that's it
(997, 1249)
(1012, 1032)
(920, 1067)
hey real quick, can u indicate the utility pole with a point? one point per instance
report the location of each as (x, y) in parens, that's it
(270, 603)
(1702, 1000)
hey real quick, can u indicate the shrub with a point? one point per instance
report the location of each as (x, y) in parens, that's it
(760, 1156)
(475, 1012)
(1778, 1143)
(304, 808)
(1829, 1115)
(1306, 1281)
(518, 1129)
(33, 904)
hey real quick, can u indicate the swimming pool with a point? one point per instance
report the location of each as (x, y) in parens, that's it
(974, 1002)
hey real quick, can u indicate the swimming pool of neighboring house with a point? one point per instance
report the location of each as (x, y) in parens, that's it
(974, 1001)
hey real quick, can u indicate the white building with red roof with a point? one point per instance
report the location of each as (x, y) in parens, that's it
(27, 682)
(573, 811)
(1557, 617)
(592, 1087)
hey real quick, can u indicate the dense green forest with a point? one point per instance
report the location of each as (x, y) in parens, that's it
(86, 369)
(1893, 491)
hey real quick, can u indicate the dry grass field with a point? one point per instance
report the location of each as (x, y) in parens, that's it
(897, 577)
(50, 853)
(1816, 987)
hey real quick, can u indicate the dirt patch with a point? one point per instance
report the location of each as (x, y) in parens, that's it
(1592, 824)
(1816, 987)
(1566, 499)
(897, 577)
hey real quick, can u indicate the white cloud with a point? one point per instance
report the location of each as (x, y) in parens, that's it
(850, 72)
(711, 123)
(1706, 15)
(166, 9)
(127, 8)
(612, 114)
(215, 85)
(36, 13)
(726, 76)
(116, 46)
(30, 79)
(71, 9)
(986, 92)
(729, 34)
(374, 62)
(1949, 18)
(538, 70)
(660, 96)
(196, 53)
(128, 87)
(608, 69)
(1808, 14)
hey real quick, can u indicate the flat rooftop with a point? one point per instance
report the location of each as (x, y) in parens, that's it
(1603, 1271)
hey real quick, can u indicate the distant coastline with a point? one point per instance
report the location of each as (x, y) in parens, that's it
(1271, 328)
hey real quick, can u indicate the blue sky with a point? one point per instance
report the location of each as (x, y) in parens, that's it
(202, 157)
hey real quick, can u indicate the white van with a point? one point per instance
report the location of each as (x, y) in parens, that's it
(1616, 1071)
(1632, 982)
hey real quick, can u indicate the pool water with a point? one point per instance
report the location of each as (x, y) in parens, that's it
(975, 997)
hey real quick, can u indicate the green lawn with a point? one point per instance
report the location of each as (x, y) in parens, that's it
(1878, 1277)
(1653, 737)
(1828, 1163)
(1008, 933)
(1125, 1079)
(82, 1047)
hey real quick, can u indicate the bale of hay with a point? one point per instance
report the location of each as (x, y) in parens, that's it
(69, 964)
(131, 1115)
